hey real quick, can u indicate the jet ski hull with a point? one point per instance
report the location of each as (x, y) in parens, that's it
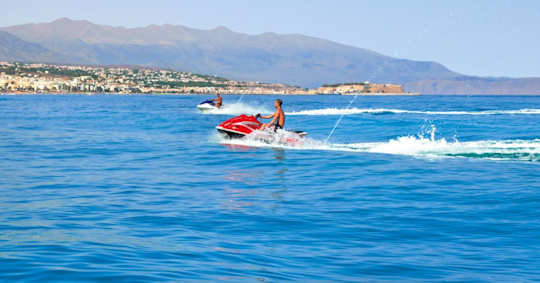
(230, 134)
(239, 126)
(206, 107)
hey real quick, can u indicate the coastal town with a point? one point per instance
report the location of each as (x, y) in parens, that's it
(34, 78)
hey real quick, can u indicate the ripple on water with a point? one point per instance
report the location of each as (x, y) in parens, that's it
(139, 188)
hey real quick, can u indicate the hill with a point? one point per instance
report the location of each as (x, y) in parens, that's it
(477, 85)
(275, 58)
(291, 59)
(13, 48)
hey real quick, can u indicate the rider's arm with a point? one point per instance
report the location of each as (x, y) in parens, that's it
(276, 115)
(268, 116)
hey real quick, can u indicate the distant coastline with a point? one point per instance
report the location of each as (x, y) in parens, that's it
(37, 78)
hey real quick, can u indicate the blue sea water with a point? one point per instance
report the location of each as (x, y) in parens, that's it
(141, 188)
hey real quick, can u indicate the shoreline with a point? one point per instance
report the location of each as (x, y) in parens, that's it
(269, 94)
(384, 94)
(208, 93)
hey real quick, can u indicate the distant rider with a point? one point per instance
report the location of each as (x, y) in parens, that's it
(218, 101)
(278, 120)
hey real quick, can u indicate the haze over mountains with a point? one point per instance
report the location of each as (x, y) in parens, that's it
(292, 59)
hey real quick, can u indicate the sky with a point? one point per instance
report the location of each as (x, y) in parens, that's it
(475, 37)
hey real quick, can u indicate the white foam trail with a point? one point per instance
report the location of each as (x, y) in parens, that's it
(417, 146)
(237, 109)
(525, 150)
(353, 111)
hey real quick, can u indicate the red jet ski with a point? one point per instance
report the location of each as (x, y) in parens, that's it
(242, 125)
(239, 126)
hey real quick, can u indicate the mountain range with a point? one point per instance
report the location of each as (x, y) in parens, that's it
(286, 58)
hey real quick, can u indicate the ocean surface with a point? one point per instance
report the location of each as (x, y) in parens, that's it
(142, 188)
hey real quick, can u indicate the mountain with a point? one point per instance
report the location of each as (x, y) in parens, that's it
(292, 59)
(288, 58)
(13, 48)
(476, 85)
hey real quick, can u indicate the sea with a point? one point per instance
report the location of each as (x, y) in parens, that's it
(141, 188)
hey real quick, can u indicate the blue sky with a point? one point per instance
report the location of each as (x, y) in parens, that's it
(478, 37)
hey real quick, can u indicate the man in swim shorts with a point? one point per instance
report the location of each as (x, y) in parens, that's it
(278, 120)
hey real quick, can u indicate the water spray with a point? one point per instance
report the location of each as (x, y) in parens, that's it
(240, 99)
(339, 120)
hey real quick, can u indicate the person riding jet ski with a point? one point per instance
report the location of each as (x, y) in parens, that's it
(242, 125)
(218, 101)
(211, 104)
(278, 120)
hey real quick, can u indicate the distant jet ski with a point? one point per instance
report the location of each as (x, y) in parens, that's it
(243, 125)
(207, 105)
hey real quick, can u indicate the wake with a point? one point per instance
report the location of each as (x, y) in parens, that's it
(421, 146)
(237, 109)
(353, 111)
